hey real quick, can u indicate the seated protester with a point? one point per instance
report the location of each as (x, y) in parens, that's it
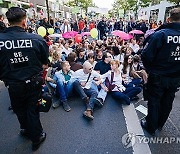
(72, 61)
(104, 66)
(56, 59)
(99, 43)
(50, 83)
(128, 80)
(116, 53)
(91, 59)
(122, 54)
(134, 46)
(89, 50)
(109, 49)
(128, 51)
(82, 84)
(64, 85)
(71, 43)
(115, 84)
(137, 70)
(81, 58)
(99, 55)
(66, 51)
(93, 43)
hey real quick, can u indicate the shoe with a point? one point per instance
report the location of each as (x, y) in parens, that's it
(55, 104)
(86, 100)
(98, 101)
(135, 98)
(66, 106)
(145, 126)
(23, 132)
(87, 114)
(36, 145)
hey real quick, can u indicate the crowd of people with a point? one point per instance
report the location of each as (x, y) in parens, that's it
(94, 67)
(89, 67)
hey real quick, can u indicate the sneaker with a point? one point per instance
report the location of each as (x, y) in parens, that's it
(88, 114)
(66, 106)
(98, 101)
(145, 127)
(55, 104)
(36, 145)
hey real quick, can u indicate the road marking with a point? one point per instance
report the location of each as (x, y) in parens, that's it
(142, 109)
(133, 126)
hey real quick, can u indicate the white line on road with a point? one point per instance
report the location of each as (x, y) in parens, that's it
(133, 126)
(142, 109)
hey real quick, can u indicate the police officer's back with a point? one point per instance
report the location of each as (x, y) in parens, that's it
(161, 58)
(22, 56)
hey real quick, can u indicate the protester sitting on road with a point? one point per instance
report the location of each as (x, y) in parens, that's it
(72, 61)
(103, 66)
(128, 79)
(137, 70)
(81, 56)
(115, 84)
(99, 54)
(82, 84)
(91, 59)
(64, 85)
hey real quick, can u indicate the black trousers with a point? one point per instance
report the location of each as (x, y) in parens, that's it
(161, 92)
(24, 98)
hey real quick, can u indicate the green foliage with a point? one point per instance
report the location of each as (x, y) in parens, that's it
(84, 4)
(177, 2)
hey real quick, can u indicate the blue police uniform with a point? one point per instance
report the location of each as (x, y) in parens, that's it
(161, 58)
(21, 58)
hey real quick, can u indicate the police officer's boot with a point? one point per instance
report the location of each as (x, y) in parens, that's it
(36, 144)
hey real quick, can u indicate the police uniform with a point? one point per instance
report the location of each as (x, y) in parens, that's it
(21, 58)
(161, 58)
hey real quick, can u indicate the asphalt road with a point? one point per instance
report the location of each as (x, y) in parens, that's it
(69, 133)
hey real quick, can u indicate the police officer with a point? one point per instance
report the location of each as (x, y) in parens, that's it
(161, 58)
(22, 57)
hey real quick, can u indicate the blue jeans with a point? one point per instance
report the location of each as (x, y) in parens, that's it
(92, 93)
(64, 90)
(126, 95)
(136, 82)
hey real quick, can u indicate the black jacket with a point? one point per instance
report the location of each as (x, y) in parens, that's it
(161, 54)
(21, 54)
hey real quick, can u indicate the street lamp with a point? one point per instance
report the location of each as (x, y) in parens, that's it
(47, 5)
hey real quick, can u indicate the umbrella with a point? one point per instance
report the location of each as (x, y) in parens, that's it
(127, 37)
(118, 33)
(85, 33)
(122, 35)
(69, 34)
(66, 35)
(55, 35)
(73, 33)
(136, 32)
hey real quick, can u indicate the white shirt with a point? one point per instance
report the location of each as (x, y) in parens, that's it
(134, 47)
(117, 80)
(82, 77)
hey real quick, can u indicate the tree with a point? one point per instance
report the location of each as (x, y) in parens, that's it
(177, 2)
(130, 5)
(84, 4)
